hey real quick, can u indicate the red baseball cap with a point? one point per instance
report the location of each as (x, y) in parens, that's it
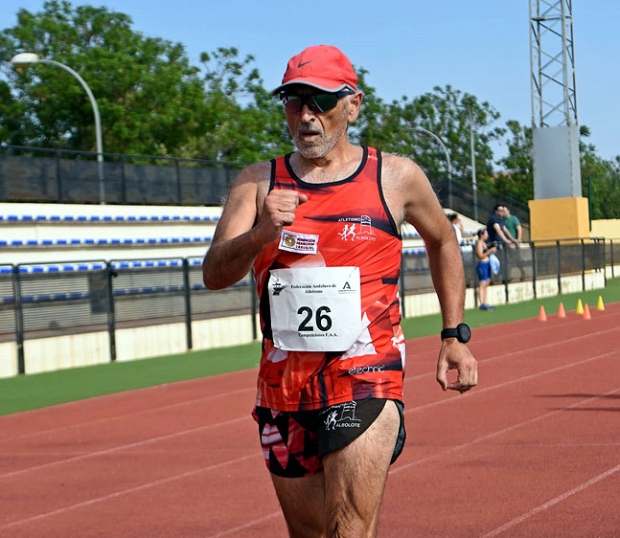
(323, 66)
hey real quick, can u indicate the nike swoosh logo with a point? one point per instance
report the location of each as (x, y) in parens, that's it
(301, 64)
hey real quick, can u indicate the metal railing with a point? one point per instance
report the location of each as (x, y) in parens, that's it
(44, 300)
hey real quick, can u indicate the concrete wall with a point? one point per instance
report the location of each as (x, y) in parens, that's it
(70, 351)
(46, 354)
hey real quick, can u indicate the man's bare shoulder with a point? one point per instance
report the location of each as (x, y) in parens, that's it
(255, 173)
(252, 183)
(398, 168)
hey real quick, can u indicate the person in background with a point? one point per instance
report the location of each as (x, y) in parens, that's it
(483, 267)
(457, 225)
(320, 228)
(496, 227)
(512, 224)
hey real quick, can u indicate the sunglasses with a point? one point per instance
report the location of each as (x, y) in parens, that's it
(316, 102)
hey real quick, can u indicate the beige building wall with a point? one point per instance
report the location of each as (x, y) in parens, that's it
(607, 228)
(559, 218)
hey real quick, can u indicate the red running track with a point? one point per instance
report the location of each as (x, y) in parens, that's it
(533, 451)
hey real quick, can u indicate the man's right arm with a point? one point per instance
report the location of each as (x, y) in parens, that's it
(250, 220)
(505, 237)
(234, 246)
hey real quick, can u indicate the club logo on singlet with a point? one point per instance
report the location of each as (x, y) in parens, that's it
(357, 229)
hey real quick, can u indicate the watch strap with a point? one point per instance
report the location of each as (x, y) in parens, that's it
(449, 333)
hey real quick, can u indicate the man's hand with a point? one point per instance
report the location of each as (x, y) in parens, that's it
(279, 211)
(456, 356)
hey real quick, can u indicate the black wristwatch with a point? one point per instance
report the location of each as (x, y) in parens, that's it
(461, 332)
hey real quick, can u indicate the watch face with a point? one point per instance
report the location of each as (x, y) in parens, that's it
(463, 332)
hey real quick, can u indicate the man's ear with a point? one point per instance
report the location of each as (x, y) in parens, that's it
(355, 103)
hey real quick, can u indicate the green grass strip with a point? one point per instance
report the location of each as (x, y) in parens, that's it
(34, 391)
(427, 325)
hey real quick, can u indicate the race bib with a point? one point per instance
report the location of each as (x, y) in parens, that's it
(315, 308)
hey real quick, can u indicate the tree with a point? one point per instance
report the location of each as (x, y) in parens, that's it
(243, 121)
(11, 113)
(600, 180)
(445, 112)
(369, 128)
(149, 96)
(154, 102)
(516, 182)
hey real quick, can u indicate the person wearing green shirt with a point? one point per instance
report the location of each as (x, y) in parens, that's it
(512, 225)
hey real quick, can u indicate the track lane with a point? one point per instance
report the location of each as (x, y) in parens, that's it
(517, 386)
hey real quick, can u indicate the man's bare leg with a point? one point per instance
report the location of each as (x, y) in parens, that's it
(344, 500)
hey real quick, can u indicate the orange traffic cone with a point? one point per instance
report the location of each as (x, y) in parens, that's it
(542, 316)
(561, 311)
(579, 309)
(600, 305)
(586, 312)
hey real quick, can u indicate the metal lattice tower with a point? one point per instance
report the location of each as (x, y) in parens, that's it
(552, 61)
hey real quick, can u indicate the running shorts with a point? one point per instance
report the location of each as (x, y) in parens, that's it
(294, 443)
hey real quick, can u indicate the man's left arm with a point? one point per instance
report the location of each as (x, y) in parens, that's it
(446, 266)
(423, 210)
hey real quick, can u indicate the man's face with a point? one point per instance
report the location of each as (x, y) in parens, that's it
(316, 133)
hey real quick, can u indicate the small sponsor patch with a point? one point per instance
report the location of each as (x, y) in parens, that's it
(299, 243)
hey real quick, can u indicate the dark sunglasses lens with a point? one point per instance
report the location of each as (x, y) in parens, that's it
(325, 101)
(318, 102)
(292, 103)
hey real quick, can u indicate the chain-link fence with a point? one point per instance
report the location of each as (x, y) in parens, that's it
(59, 176)
(460, 196)
(30, 174)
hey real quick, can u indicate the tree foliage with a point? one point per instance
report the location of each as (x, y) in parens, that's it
(516, 179)
(154, 102)
(148, 94)
(243, 121)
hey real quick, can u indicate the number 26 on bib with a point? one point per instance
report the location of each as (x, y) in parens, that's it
(316, 308)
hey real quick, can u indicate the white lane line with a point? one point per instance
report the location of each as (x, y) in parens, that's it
(241, 419)
(7, 439)
(122, 447)
(249, 525)
(551, 503)
(483, 390)
(124, 415)
(393, 471)
(398, 468)
(117, 494)
(518, 353)
(255, 522)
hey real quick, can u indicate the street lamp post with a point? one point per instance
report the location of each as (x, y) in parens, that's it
(472, 148)
(29, 58)
(445, 150)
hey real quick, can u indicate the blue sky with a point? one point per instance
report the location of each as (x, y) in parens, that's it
(408, 46)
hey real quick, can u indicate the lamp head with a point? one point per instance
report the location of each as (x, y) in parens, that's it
(25, 58)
